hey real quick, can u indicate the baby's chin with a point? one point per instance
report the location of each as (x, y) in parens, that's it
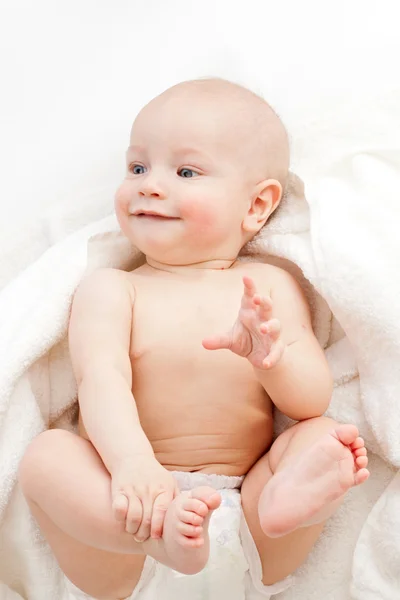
(174, 255)
(156, 244)
(169, 248)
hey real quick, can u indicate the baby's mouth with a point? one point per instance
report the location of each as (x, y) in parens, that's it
(154, 216)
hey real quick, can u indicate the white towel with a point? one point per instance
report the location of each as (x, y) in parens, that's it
(349, 259)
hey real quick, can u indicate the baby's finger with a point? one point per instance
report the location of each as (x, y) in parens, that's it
(160, 507)
(248, 293)
(272, 328)
(249, 286)
(120, 506)
(265, 308)
(274, 356)
(143, 533)
(134, 516)
(218, 342)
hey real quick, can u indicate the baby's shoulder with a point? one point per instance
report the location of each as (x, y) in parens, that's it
(289, 301)
(268, 277)
(106, 283)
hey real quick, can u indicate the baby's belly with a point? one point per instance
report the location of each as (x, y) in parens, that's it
(213, 418)
(220, 453)
(214, 428)
(224, 446)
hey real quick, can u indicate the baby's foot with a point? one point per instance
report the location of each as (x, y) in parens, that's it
(309, 489)
(185, 534)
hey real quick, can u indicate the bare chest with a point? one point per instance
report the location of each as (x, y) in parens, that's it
(200, 409)
(175, 319)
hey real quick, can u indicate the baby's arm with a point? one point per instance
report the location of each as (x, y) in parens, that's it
(274, 333)
(99, 340)
(99, 336)
(300, 384)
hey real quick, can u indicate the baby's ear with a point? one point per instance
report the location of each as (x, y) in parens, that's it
(266, 197)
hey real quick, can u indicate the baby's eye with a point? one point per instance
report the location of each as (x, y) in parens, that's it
(137, 169)
(187, 173)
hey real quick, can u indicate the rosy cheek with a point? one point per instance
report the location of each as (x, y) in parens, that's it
(122, 197)
(200, 213)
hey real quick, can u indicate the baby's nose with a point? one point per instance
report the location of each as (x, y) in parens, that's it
(152, 189)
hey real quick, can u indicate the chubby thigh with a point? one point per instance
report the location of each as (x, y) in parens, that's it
(63, 474)
(68, 489)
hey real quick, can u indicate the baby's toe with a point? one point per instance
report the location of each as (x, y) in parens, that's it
(194, 505)
(189, 530)
(193, 542)
(361, 462)
(347, 434)
(360, 452)
(358, 443)
(207, 495)
(191, 518)
(361, 476)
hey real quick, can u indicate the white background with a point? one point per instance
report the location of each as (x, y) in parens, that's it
(75, 73)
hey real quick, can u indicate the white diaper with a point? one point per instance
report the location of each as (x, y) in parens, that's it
(234, 568)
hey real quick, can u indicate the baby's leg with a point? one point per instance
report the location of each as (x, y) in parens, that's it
(69, 493)
(292, 490)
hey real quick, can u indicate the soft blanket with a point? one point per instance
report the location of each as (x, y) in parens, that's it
(344, 251)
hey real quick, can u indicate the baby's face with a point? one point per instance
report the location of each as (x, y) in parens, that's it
(194, 165)
(187, 184)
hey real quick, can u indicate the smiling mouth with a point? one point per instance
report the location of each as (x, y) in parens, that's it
(155, 216)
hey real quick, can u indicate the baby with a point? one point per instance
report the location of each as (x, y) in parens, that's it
(180, 363)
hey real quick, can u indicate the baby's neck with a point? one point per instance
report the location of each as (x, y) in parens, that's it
(208, 265)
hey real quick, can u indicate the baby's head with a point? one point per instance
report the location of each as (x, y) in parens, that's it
(207, 165)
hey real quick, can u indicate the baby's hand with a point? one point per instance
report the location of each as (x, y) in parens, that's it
(255, 335)
(142, 491)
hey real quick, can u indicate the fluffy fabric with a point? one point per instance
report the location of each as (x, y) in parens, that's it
(344, 262)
